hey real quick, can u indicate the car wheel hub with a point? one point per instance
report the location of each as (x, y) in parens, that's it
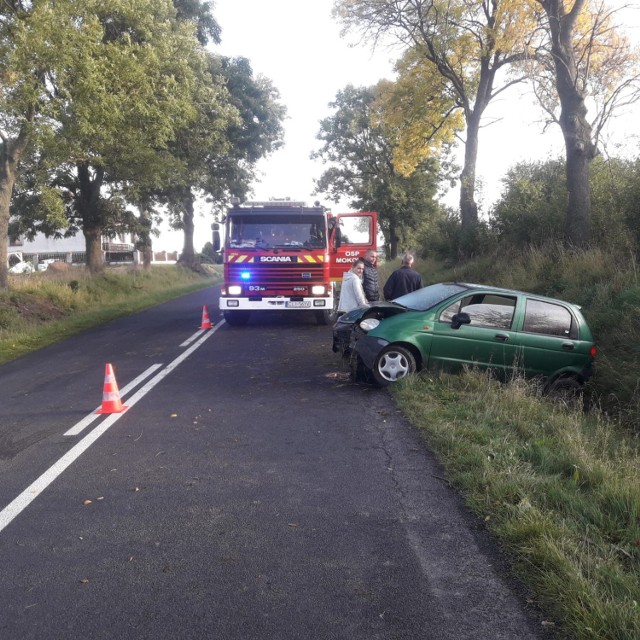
(393, 366)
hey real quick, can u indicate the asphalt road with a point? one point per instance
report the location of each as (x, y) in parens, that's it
(250, 491)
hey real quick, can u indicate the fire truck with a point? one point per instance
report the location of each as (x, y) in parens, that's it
(285, 256)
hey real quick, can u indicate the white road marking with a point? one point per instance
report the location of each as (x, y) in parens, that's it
(20, 503)
(87, 420)
(188, 341)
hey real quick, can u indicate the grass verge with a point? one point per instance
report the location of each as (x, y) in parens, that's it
(39, 309)
(559, 489)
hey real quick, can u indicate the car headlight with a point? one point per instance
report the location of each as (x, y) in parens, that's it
(369, 323)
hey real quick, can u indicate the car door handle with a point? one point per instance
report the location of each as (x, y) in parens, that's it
(502, 337)
(567, 346)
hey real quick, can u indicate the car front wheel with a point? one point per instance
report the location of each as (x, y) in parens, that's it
(393, 364)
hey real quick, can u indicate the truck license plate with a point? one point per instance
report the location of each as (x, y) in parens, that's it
(297, 304)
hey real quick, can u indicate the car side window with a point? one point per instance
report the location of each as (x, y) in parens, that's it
(485, 310)
(449, 312)
(549, 319)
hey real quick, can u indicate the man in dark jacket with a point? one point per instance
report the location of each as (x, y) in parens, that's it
(402, 280)
(370, 277)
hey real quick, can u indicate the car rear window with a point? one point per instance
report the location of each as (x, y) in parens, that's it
(549, 319)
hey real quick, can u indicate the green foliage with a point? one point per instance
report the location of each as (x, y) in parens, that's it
(457, 57)
(128, 100)
(450, 242)
(216, 153)
(359, 151)
(531, 210)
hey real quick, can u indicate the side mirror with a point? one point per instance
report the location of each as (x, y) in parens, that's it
(216, 237)
(459, 319)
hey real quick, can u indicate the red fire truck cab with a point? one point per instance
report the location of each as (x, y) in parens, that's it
(285, 256)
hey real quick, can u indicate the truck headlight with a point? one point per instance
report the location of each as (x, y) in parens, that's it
(234, 290)
(318, 290)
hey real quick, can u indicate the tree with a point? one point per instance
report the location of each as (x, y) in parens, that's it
(532, 208)
(463, 45)
(150, 70)
(38, 42)
(142, 194)
(217, 155)
(199, 13)
(119, 80)
(361, 159)
(585, 58)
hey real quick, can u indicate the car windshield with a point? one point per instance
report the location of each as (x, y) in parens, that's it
(428, 297)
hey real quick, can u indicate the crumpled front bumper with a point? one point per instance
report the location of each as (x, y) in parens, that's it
(368, 348)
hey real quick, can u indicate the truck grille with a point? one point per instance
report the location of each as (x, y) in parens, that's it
(282, 274)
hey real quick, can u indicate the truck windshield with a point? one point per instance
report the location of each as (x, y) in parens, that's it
(276, 231)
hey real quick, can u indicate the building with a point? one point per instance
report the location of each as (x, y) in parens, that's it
(120, 250)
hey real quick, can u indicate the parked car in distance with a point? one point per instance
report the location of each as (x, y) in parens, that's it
(43, 265)
(16, 263)
(452, 325)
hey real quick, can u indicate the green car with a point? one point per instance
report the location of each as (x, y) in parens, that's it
(452, 325)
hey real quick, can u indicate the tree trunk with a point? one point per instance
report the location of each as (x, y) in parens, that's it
(393, 242)
(87, 204)
(468, 206)
(11, 152)
(576, 130)
(7, 180)
(577, 231)
(144, 243)
(93, 247)
(188, 257)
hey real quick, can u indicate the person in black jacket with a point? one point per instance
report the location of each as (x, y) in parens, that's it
(402, 280)
(370, 277)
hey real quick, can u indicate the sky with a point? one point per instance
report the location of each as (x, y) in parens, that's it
(298, 45)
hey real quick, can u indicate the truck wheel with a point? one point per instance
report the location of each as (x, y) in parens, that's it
(393, 364)
(323, 317)
(237, 318)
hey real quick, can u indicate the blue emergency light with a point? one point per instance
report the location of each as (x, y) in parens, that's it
(245, 275)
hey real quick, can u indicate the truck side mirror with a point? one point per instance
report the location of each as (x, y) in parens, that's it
(217, 245)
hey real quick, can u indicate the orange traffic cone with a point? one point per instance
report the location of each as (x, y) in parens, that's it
(110, 396)
(206, 323)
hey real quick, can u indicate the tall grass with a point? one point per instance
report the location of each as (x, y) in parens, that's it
(559, 489)
(41, 308)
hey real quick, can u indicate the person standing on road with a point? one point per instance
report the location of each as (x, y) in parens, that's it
(351, 293)
(402, 280)
(370, 278)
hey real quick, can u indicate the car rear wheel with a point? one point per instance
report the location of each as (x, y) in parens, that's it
(567, 391)
(393, 364)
